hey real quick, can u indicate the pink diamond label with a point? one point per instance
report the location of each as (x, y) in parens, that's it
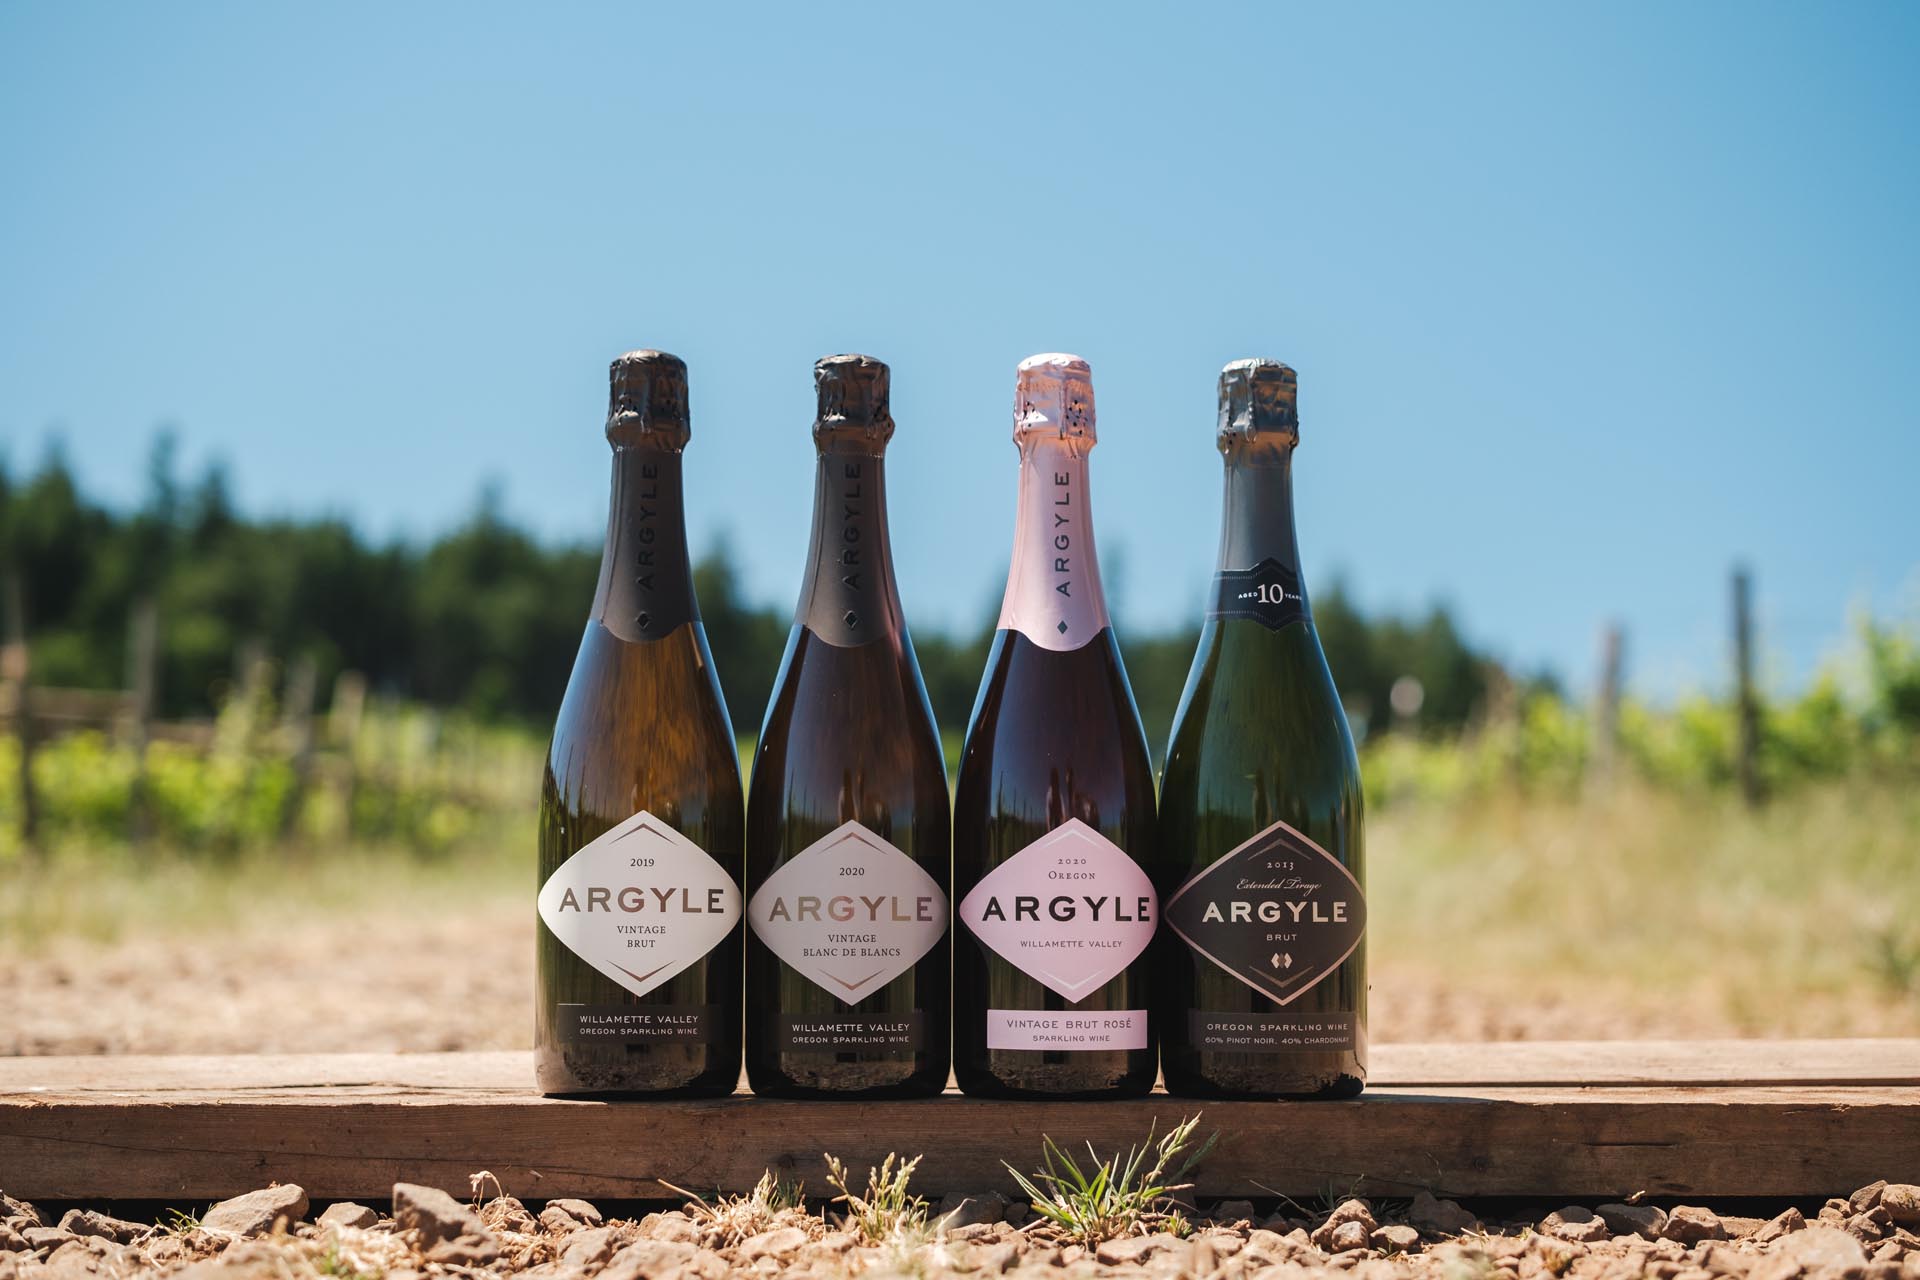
(1071, 910)
(850, 912)
(640, 902)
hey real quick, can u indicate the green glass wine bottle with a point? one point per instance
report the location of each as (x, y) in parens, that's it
(1261, 803)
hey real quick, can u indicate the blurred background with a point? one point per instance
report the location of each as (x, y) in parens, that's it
(1604, 318)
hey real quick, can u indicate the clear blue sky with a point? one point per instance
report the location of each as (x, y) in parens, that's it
(1587, 302)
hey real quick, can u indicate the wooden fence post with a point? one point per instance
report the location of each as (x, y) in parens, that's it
(15, 668)
(1606, 708)
(344, 712)
(143, 684)
(298, 717)
(1747, 703)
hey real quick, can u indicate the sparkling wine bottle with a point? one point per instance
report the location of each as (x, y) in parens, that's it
(848, 862)
(1266, 997)
(1053, 812)
(638, 949)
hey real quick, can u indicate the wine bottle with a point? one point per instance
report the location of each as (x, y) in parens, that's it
(848, 864)
(1053, 811)
(641, 820)
(1260, 804)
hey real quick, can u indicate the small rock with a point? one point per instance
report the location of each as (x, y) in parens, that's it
(658, 1226)
(996, 1259)
(46, 1239)
(1136, 1250)
(348, 1214)
(507, 1213)
(1883, 1271)
(1226, 1243)
(1690, 1224)
(1836, 1211)
(1018, 1212)
(1643, 1220)
(1889, 1251)
(1739, 1228)
(1577, 1224)
(1395, 1239)
(1441, 1217)
(17, 1208)
(587, 1250)
(85, 1222)
(11, 1241)
(777, 1244)
(1354, 1212)
(1787, 1220)
(1233, 1211)
(450, 1232)
(1821, 1251)
(1721, 1260)
(1866, 1197)
(1902, 1202)
(579, 1210)
(257, 1212)
(649, 1259)
(1348, 1236)
(975, 1231)
(1862, 1227)
(965, 1211)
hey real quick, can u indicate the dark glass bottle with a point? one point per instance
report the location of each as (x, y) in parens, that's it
(638, 952)
(1054, 806)
(848, 863)
(1260, 805)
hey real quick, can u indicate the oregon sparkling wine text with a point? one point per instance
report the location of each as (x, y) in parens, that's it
(641, 824)
(1260, 804)
(848, 864)
(1054, 803)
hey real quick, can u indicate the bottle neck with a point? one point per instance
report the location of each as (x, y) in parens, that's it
(646, 579)
(1258, 573)
(848, 596)
(1054, 597)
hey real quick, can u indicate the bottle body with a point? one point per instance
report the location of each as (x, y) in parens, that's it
(848, 865)
(1265, 992)
(641, 830)
(1054, 804)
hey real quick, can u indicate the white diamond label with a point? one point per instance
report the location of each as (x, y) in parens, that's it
(640, 903)
(1071, 909)
(850, 912)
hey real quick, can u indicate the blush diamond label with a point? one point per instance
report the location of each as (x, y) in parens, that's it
(1071, 910)
(1279, 913)
(850, 912)
(640, 903)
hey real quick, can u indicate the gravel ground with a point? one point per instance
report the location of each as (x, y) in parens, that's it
(273, 1234)
(427, 982)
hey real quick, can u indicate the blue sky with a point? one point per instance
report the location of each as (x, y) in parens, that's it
(1587, 302)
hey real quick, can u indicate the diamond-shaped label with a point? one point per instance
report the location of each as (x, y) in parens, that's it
(1071, 910)
(850, 912)
(1279, 913)
(640, 903)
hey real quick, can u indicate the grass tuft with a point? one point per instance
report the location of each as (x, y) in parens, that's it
(1113, 1197)
(886, 1212)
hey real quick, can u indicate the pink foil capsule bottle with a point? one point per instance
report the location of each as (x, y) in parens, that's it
(1054, 808)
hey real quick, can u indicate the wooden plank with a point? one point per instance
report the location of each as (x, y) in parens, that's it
(199, 1129)
(1852, 1063)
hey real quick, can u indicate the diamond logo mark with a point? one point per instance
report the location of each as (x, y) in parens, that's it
(850, 912)
(1279, 913)
(640, 903)
(1070, 910)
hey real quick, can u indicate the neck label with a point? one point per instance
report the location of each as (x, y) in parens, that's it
(1269, 593)
(1279, 913)
(646, 585)
(845, 597)
(640, 903)
(1053, 595)
(850, 913)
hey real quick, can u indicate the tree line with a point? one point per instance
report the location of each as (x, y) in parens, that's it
(486, 618)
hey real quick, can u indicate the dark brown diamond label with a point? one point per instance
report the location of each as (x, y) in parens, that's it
(1279, 913)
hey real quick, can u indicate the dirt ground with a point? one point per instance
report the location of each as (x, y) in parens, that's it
(463, 980)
